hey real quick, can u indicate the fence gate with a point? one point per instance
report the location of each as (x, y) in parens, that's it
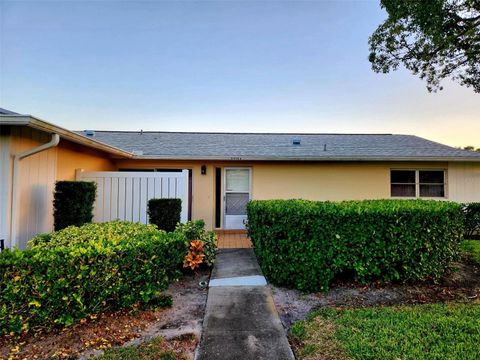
(124, 195)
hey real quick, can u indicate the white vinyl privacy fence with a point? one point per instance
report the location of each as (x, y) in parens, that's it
(124, 195)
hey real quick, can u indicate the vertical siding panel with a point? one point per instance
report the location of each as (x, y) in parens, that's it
(121, 199)
(143, 200)
(114, 200)
(164, 188)
(150, 188)
(42, 192)
(171, 187)
(158, 188)
(107, 196)
(99, 202)
(464, 182)
(182, 193)
(5, 185)
(136, 200)
(129, 199)
(175, 187)
(52, 175)
(31, 175)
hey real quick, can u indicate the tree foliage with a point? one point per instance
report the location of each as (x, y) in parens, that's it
(471, 148)
(434, 39)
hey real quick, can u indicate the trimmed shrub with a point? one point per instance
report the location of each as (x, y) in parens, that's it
(78, 271)
(472, 220)
(165, 213)
(73, 203)
(195, 230)
(305, 244)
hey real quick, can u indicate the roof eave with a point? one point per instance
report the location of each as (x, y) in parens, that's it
(36, 123)
(326, 159)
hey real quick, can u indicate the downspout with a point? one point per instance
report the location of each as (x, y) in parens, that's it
(16, 163)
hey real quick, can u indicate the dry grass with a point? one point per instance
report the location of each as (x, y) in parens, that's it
(315, 339)
(155, 349)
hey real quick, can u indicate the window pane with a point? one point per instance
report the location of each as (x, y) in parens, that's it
(402, 176)
(236, 204)
(403, 190)
(432, 190)
(237, 180)
(431, 177)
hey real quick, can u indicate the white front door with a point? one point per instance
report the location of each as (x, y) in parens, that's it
(236, 197)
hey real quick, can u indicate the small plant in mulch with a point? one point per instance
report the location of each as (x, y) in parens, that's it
(195, 255)
(195, 230)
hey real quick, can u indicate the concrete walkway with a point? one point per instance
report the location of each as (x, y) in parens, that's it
(241, 321)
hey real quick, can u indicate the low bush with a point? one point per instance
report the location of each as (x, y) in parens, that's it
(165, 213)
(105, 234)
(78, 271)
(195, 230)
(472, 220)
(306, 244)
(73, 203)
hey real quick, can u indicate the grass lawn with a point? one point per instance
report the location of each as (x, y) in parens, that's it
(438, 331)
(472, 249)
(155, 349)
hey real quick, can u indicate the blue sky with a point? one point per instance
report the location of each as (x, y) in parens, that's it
(244, 66)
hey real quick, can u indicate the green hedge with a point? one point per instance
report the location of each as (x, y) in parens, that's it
(472, 220)
(67, 275)
(306, 244)
(165, 213)
(73, 203)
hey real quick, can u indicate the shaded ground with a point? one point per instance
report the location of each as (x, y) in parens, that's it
(156, 349)
(93, 335)
(461, 284)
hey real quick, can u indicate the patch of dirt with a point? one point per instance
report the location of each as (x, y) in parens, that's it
(178, 348)
(462, 283)
(127, 327)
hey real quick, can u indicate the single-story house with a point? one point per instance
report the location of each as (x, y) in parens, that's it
(214, 174)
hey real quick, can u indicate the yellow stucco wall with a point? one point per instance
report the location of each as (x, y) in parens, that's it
(334, 181)
(320, 181)
(72, 156)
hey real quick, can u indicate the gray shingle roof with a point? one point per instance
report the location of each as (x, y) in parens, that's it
(260, 146)
(7, 112)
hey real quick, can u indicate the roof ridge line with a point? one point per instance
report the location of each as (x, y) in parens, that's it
(237, 133)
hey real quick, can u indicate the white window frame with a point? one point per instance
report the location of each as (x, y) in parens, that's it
(417, 184)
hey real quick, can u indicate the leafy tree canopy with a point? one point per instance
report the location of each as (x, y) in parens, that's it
(471, 148)
(435, 39)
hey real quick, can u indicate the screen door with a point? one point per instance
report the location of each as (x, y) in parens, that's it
(237, 194)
